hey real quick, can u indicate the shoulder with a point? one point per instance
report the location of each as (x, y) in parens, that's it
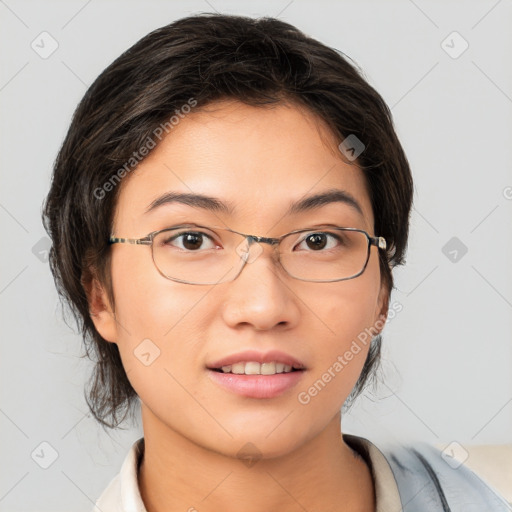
(426, 481)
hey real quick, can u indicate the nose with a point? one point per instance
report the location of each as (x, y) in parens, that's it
(262, 295)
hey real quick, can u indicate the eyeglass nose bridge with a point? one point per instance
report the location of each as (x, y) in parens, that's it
(244, 248)
(262, 239)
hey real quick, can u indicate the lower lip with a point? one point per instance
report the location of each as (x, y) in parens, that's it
(257, 386)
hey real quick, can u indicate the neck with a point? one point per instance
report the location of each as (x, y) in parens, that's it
(322, 474)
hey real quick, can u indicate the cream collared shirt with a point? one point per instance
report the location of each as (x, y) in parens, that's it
(123, 494)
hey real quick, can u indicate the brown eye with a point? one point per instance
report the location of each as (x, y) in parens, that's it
(316, 241)
(319, 241)
(190, 241)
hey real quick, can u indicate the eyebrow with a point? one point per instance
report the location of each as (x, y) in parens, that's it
(216, 205)
(325, 198)
(195, 200)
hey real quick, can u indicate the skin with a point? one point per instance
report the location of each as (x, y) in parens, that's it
(260, 160)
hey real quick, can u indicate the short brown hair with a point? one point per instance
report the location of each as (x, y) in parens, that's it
(206, 57)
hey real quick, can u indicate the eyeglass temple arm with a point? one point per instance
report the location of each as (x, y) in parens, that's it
(379, 241)
(137, 241)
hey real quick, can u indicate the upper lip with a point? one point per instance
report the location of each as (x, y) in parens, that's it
(259, 357)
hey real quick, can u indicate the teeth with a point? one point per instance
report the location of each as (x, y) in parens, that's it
(238, 368)
(268, 368)
(254, 368)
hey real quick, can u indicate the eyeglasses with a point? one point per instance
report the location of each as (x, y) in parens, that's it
(194, 254)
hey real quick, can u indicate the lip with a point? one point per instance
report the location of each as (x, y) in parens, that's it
(256, 386)
(258, 357)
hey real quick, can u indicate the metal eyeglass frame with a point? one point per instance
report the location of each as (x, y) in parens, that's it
(378, 241)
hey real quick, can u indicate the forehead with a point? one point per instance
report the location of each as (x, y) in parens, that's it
(257, 160)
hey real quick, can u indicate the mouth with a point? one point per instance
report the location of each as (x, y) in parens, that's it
(255, 375)
(255, 368)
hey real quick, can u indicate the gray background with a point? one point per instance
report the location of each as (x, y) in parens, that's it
(447, 355)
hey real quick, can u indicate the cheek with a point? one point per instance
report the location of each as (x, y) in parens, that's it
(159, 334)
(348, 314)
(348, 308)
(146, 302)
(154, 315)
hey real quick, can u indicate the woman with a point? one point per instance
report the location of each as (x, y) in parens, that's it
(226, 211)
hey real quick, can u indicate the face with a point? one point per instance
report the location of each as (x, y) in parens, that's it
(258, 161)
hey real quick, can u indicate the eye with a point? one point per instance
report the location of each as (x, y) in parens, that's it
(191, 241)
(319, 241)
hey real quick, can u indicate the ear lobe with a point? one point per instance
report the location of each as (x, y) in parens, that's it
(382, 309)
(101, 310)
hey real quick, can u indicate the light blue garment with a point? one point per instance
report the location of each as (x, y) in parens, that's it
(427, 483)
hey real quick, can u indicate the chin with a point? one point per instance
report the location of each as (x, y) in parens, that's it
(263, 442)
(250, 449)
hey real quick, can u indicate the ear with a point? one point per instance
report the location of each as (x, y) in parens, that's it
(100, 309)
(381, 311)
